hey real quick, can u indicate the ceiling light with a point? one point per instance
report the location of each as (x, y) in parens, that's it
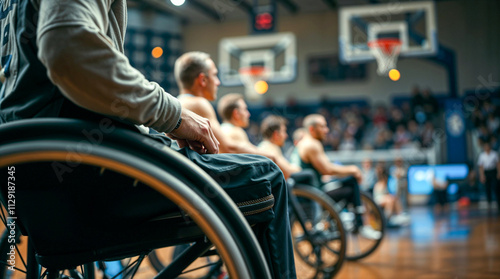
(177, 2)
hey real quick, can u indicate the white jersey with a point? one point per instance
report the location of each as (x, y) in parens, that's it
(488, 161)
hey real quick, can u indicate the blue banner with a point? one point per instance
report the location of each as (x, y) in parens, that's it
(455, 132)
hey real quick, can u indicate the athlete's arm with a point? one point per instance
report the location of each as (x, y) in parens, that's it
(316, 155)
(92, 72)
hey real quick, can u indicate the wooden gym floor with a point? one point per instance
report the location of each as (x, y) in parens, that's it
(454, 244)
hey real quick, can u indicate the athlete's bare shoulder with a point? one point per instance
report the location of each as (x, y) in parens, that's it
(198, 105)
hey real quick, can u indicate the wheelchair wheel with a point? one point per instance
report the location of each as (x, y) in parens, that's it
(317, 232)
(210, 266)
(362, 241)
(15, 266)
(143, 161)
(16, 256)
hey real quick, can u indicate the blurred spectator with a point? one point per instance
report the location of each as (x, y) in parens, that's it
(469, 188)
(334, 137)
(333, 142)
(325, 112)
(495, 143)
(427, 138)
(396, 119)
(366, 116)
(297, 122)
(483, 133)
(440, 186)
(416, 100)
(417, 105)
(400, 174)
(406, 111)
(493, 123)
(485, 118)
(348, 142)
(487, 108)
(381, 141)
(489, 172)
(354, 126)
(359, 117)
(368, 147)
(390, 203)
(414, 131)
(369, 176)
(401, 137)
(380, 116)
(477, 118)
(429, 104)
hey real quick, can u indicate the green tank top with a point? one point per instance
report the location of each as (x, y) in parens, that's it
(296, 160)
(226, 125)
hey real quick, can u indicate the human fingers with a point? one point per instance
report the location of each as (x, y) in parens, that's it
(197, 128)
(182, 143)
(211, 143)
(197, 146)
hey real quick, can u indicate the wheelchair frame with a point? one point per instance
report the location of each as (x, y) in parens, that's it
(359, 247)
(319, 257)
(43, 140)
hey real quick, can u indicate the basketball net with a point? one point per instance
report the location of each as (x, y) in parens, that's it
(250, 76)
(386, 52)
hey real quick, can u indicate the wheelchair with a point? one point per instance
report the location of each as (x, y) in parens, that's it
(358, 245)
(64, 175)
(318, 235)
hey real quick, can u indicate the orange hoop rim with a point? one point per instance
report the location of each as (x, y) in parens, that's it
(387, 46)
(385, 42)
(252, 70)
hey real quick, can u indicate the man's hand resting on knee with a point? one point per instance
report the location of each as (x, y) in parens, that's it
(195, 131)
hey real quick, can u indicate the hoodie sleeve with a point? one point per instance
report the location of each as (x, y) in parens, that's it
(90, 70)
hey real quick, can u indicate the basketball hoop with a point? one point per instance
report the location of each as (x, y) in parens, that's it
(254, 79)
(386, 51)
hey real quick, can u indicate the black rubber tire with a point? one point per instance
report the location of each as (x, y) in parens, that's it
(357, 246)
(146, 160)
(323, 255)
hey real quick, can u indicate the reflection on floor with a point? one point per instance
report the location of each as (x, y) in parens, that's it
(456, 243)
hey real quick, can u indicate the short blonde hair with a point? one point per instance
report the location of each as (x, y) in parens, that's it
(271, 124)
(298, 134)
(228, 104)
(312, 120)
(189, 66)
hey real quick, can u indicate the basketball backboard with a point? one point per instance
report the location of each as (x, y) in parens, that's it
(412, 23)
(276, 52)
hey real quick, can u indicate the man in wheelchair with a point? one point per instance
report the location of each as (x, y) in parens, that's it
(65, 59)
(309, 154)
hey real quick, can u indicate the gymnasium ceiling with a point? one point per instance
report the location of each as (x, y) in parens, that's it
(206, 11)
